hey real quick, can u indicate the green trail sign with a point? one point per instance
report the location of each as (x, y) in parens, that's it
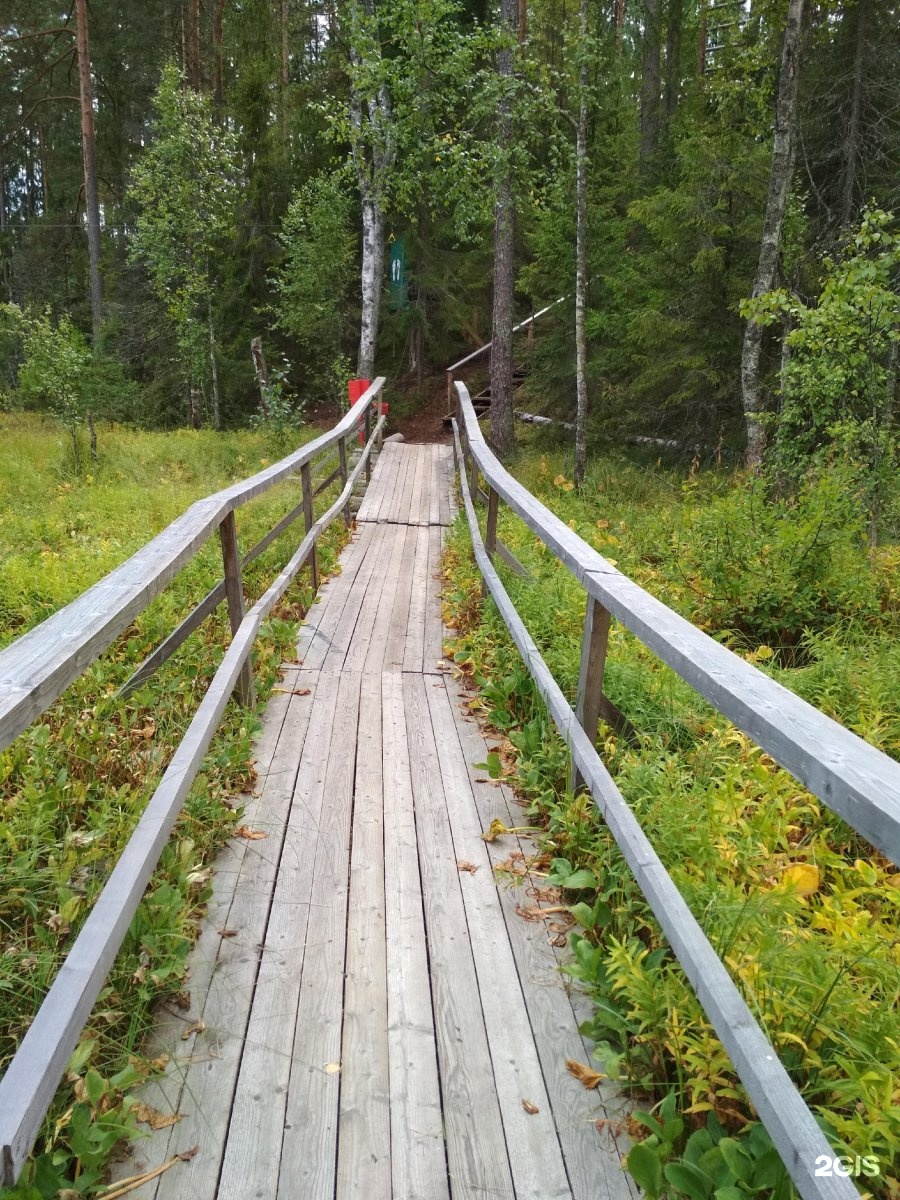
(399, 296)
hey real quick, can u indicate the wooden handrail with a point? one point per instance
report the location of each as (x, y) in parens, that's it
(28, 1086)
(857, 781)
(40, 665)
(790, 1124)
(487, 345)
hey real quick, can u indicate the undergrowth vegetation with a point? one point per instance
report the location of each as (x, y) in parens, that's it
(74, 784)
(799, 907)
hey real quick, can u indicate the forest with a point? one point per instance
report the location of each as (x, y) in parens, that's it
(215, 213)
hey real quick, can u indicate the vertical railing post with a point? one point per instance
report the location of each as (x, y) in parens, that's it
(490, 531)
(450, 407)
(594, 642)
(234, 594)
(473, 476)
(342, 458)
(308, 518)
(366, 445)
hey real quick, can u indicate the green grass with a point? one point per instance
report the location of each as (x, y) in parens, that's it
(820, 971)
(74, 784)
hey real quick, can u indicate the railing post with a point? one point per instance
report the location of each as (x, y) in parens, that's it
(490, 532)
(234, 593)
(473, 477)
(366, 450)
(594, 642)
(308, 518)
(342, 458)
(450, 393)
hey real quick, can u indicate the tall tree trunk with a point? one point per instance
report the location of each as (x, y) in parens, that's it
(218, 55)
(620, 22)
(284, 15)
(581, 258)
(2, 200)
(45, 178)
(371, 168)
(192, 44)
(502, 431)
(372, 276)
(675, 17)
(770, 246)
(701, 42)
(650, 89)
(92, 205)
(523, 21)
(851, 145)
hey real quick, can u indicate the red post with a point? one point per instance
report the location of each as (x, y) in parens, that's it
(355, 389)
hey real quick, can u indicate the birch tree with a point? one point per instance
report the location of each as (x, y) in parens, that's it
(773, 221)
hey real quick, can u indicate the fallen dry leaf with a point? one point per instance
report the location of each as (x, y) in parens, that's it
(187, 1155)
(332, 1068)
(151, 1116)
(583, 1073)
(529, 1107)
(198, 1026)
(251, 835)
(463, 865)
(294, 691)
(228, 933)
(496, 828)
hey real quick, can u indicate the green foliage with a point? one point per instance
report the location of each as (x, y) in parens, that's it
(184, 192)
(817, 964)
(314, 281)
(840, 379)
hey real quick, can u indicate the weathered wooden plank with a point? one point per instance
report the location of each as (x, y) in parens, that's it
(364, 1126)
(309, 1150)
(789, 1122)
(37, 667)
(255, 1130)
(388, 464)
(535, 1156)
(592, 1158)
(434, 499)
(433, 647)
(420, 484)
(414, 649)
(399, 627)
(375, 610)
(203, 1070)
(419, 1165)
(329, 625)
(476, 1153)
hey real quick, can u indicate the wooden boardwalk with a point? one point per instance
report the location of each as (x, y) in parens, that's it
(369, 1014)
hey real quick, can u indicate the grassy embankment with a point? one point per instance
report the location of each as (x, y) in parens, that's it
(802, 911)
(73, 785)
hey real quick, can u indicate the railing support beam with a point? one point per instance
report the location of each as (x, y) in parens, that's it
(588, 705)
(308, 518)
(342, 458)
(234, 594)
(490, 532)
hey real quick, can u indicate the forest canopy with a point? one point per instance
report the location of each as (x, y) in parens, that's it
(166, 168)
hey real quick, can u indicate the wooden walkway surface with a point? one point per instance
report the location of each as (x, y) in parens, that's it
(369, 1014)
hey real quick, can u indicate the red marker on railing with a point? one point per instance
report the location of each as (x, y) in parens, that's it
(357, 388)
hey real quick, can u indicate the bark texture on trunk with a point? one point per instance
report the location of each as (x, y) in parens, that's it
(581, 262)
(372, 275)
(674, 21)
(523, 21)
(620, 21)
(218, 54)
(650, 87)
(851, 144)
(192, 44)
(770, 245)
(502, 430)
(92, 205)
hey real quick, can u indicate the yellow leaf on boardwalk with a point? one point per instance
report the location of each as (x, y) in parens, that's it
(583, 1073)
(802, 879)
